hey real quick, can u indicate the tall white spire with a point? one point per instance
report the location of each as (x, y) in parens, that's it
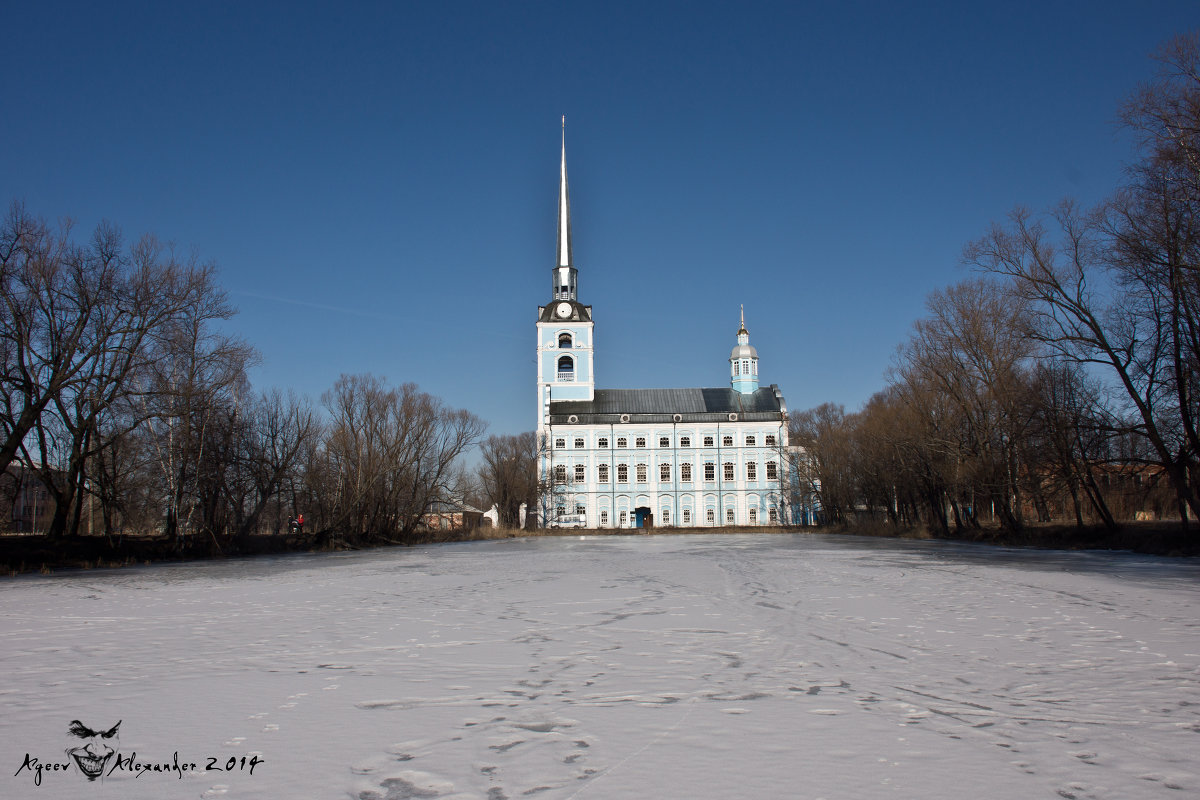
(565, 276)
(564, 206)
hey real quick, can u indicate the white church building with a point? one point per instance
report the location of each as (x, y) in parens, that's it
(632, 458)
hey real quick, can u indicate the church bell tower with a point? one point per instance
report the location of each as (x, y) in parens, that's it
(564, 327)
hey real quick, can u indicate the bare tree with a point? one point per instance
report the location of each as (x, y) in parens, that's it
(826, 434)
(973, 350)
(275, 430)
(509, 474)
(81, 327)
(390, 453)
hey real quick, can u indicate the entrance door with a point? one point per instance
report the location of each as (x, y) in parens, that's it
(642, 518)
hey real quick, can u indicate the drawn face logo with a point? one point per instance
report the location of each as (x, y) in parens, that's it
(94, 750)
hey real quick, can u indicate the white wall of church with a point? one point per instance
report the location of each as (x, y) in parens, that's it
(700, 475)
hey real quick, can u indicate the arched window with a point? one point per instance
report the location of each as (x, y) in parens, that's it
(685, 441)
(736, 371)
(579, 473)
(640, 441)
(687, 516)
(729, 516)
(622, 473)
(560, 474)
(685, 472)
(666, 516)
(751, 471)
(709, 516)
(604, 473)
(772, 471)
(664, 473)
(641, 473)
(566, 368)
(728, 471)
(754, 516)
(621, 441)
(603, 519)
(564, 341)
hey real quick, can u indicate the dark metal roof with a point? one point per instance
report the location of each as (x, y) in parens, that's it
(661, 405)
(579, 312)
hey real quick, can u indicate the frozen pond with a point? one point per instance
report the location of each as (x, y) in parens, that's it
(744, 666)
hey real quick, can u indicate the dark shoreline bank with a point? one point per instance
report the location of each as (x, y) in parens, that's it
(30, 554)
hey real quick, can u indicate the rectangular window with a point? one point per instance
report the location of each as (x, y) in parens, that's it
(750, 441)
(710, 472)
(728, 470)
(710, 516)
(664, 473)
(726, 441)
(664, 441)
(754, 516)
(621, 442)
(603, 519)
(751, 471)
(772, 471)
(770, 440)
(603, 473)
(580, 510)
(729, 516)
(687, 516)
(560, 443)
(560, 511)
(685, 441)
(666, 516)
(708, 441)
(641, 473)
(685, 472)
(560, 474)
(578, 442)
(622, 473)
(640, 441)
(579, 473)
(603, 442)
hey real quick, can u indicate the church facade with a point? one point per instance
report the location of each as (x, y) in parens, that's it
(632, 458)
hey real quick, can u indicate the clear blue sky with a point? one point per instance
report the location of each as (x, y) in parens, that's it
(377, 181)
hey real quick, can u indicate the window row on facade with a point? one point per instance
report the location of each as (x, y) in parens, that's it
(578, 473)
(580, 442)
(686, 517)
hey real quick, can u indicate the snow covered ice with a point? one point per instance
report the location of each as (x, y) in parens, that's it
(736, 666)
